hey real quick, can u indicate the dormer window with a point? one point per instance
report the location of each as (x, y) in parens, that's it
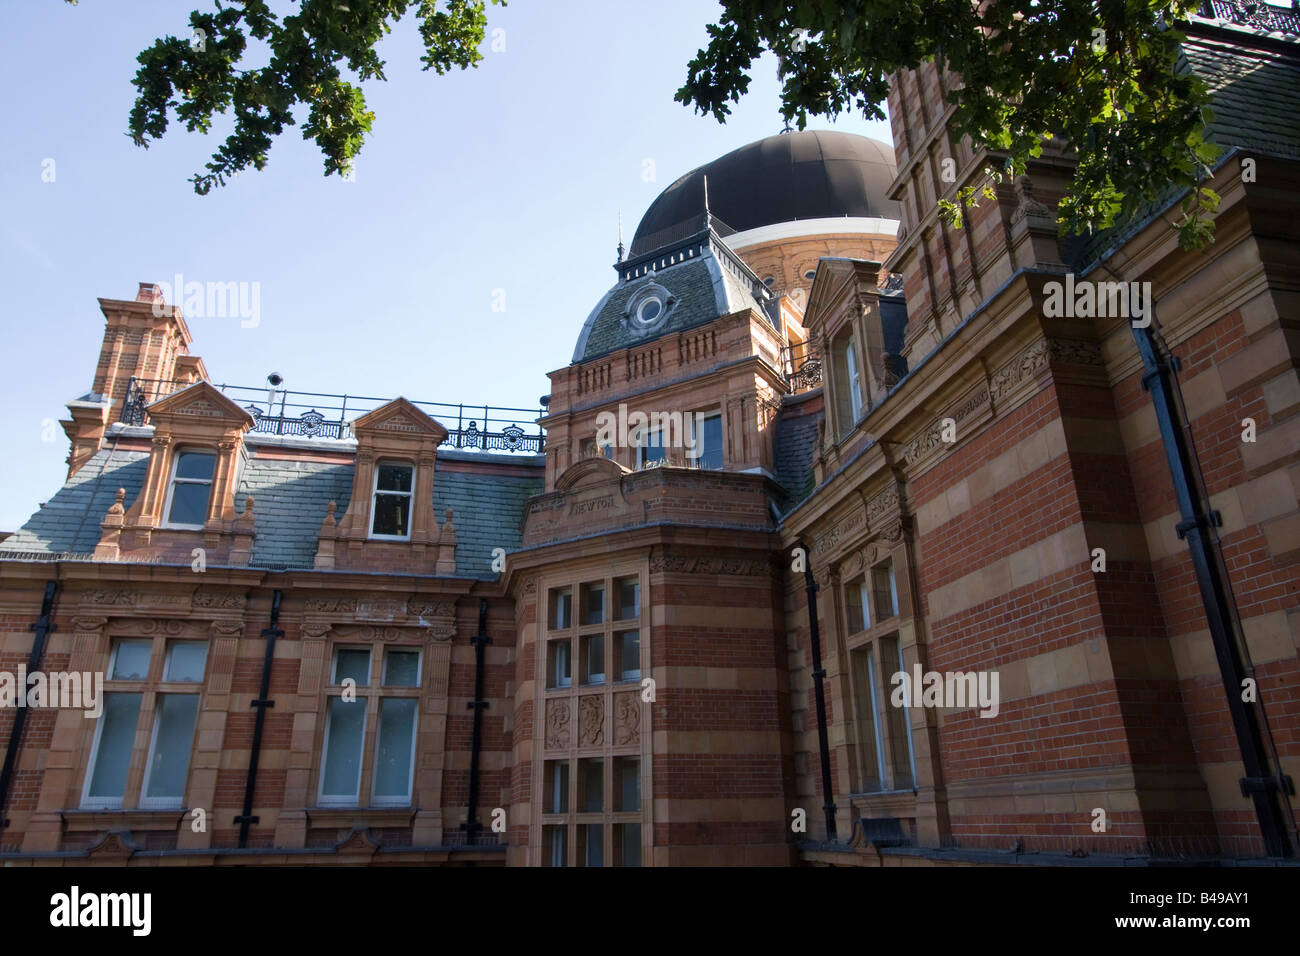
(847, 382)
(191, 489)
(392, 501)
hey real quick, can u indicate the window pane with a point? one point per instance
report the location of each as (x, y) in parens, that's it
(131, 662)
(653, 450)
(116, 739)
(629, 598)
(354, 663)
(853, 592)
(555, 841)
(557, 787)
(593, 604)
(561, 609)
(173, 738)
(869, 748)
(395, 749)
(709, 442)
(392, 515)
(394, 478)
(629, 655)
(185, 661)
(195, 464)
(592, 851)
(402, 669)
(558, 673)
(593, 659)
(189, 503)
(627, 841)
(592, 783)
(341, 775)
(628, 779)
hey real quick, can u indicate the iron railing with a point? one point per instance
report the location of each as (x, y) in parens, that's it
(802, 366)
(327, 415)
(1253, 13)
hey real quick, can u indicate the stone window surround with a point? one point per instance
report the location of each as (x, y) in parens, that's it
(573, 749)
(372, 693)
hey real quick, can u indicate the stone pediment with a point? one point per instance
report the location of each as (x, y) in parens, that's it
(400, 417)
(200, 401)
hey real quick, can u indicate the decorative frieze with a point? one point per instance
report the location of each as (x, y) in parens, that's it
(591, 720)
(734, 567)
(558, 717)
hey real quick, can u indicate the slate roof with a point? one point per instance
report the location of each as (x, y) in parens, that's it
(706, 287)
(796, 445)
(290, 501)
(1256, 106)
(69, 522)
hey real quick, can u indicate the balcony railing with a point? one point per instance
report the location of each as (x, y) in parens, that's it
(1251, 13)
(491, 428)
(802, 366)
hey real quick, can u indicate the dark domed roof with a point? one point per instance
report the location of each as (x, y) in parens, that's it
(814, 174)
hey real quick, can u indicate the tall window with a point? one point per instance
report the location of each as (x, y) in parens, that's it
(883, 730)
(391, 511)
(190, 489)
(847, 383)
(591, 804)
(369, 688)
(175, 700)
(706, 433)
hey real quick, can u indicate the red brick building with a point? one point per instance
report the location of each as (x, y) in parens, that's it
(341, 633)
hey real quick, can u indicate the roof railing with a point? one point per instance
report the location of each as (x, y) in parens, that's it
(276, 411)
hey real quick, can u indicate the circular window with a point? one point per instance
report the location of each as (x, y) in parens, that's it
(810, 274)
(769, 280)
(649, 310)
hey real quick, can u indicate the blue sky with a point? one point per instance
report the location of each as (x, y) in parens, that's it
(509, 177)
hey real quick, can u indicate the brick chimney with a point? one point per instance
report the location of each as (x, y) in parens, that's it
(145, 338)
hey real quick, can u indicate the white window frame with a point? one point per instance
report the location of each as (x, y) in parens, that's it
(370, 664)
(855, 392)
(166, 803)
(112, 658)
(567, 643)
(401, 649)
(409, 495)
(106, 803)
(877, 731)
(171, 487)
(167, 662)
(335, 800)
(401, 800)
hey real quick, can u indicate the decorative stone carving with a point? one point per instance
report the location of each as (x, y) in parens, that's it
(116, 598)
(227, 628)
(88, 623)
(558, 717)
(735, 567)
(331, 605)
(316, 630)
(591, 721)
(627, 719)
(380, 609)
(218, 599)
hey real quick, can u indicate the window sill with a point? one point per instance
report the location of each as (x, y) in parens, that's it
(327, 817)
(91, 819)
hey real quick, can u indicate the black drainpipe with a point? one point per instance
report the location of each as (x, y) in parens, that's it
(43, 627)
(246, 818)
(471, 826)
(818, 676)
(1261, 783)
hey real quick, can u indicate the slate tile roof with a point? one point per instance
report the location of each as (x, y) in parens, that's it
(796, 445)
(70, 521)
(704, 287)
(290, 501)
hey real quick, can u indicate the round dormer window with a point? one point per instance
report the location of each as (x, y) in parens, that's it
(649, 310)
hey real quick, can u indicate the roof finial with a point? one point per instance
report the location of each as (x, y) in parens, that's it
(620, 235)
(707, 216)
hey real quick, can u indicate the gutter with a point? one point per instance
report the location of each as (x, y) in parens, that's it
(262, 702)
(43, 627)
